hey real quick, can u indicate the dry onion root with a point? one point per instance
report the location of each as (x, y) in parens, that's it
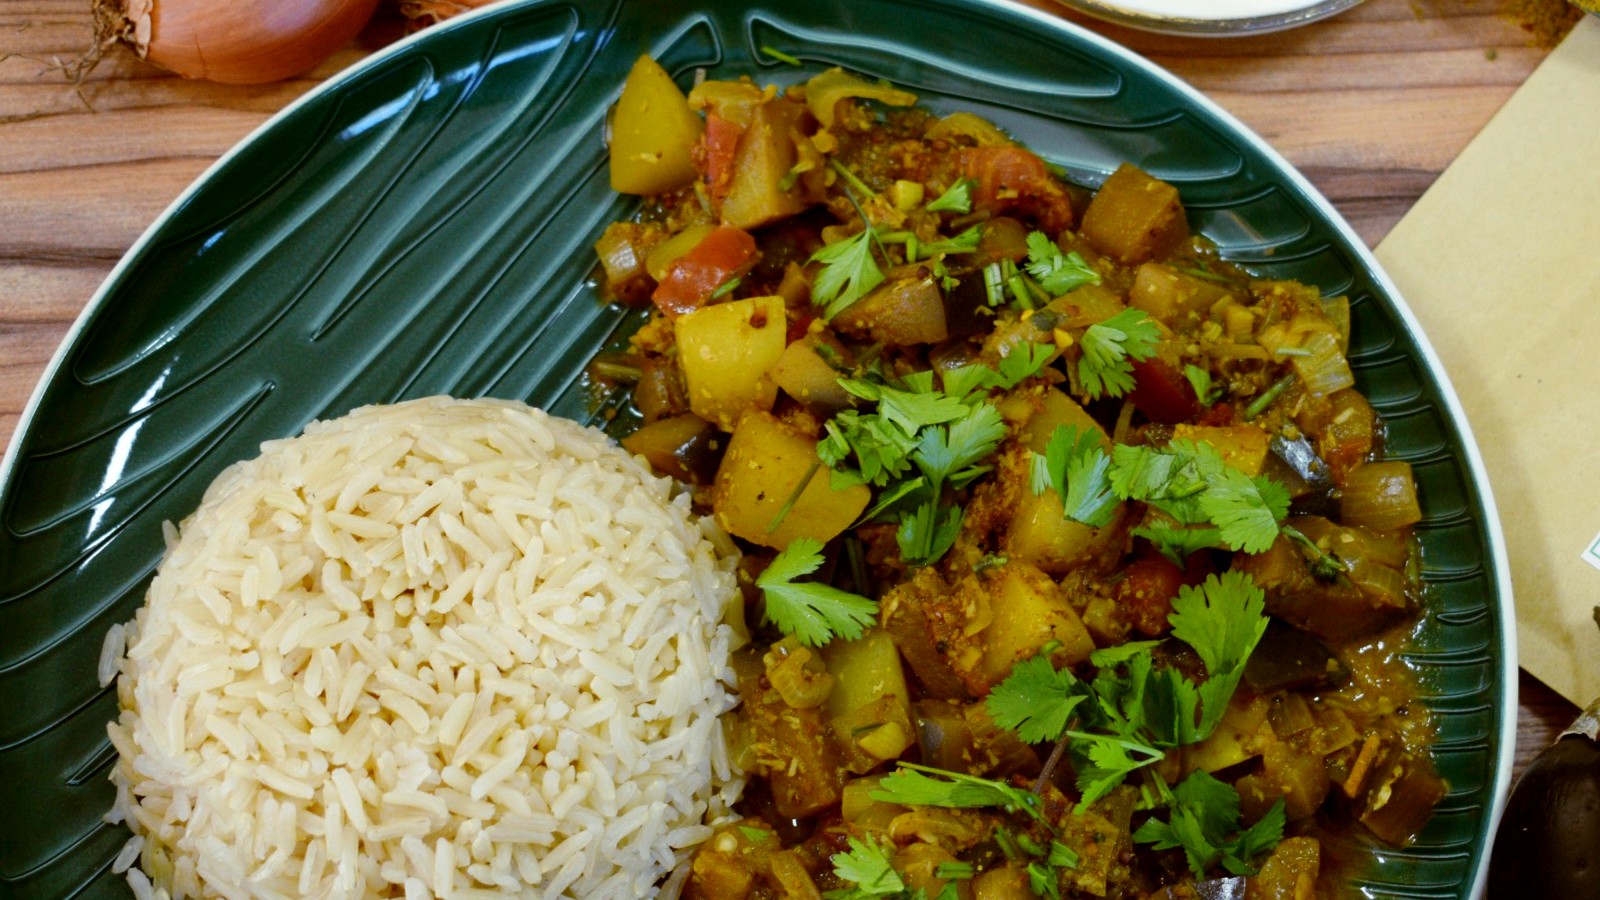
(422, 13)
(230, 41)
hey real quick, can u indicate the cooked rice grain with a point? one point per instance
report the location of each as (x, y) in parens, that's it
(442, 648)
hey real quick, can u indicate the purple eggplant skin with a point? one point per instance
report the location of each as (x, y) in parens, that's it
(1548, 844)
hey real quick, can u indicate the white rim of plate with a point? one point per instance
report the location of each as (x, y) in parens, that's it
(1170, 16)
(1480, 478)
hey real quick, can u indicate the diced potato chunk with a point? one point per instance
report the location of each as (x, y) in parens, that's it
(766, 460)
(1041, 534)
(1242, 734)
(1170, 296)
(993, 621)
(1243, 447)
(864, 670)
(727, 352)
(652, 134)
(1134, 217)
(1057, 409)
(1290, 873)
(756, 195)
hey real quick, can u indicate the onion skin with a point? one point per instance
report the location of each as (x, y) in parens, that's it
(245, 41)
(1548, 843)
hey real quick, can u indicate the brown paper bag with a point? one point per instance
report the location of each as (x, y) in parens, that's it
(1500, 260)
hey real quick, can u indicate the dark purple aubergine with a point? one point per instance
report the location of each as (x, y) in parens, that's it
(1548, 844)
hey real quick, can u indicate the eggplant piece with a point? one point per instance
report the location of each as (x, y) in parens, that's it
(1548, 843)
(1230, 888)
(1288, 659)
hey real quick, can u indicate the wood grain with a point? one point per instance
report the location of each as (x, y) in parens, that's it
(1371, 105)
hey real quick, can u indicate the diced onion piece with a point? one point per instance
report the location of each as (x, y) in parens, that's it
(965, 124)
(824, 91)
(619, 255)
(1323, 369)
(797, 674)
(1337, 309)
(1381, 496)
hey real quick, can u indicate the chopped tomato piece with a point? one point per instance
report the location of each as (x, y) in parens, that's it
(1014, 178)
(721, 144)
(693, 277)
(1162, 393)
(1146, 591)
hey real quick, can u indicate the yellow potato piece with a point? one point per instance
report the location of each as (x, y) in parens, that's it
(653, 133)
(766, 461)
(727, 352)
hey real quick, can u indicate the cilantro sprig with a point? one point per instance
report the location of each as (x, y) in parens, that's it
(1110, 349)
(849, 272)
(958, 199)
(1132, 712)
(866, 864)
(1075, 466)
(1187, 480)
(922, 438)
(915, 785)
(813, 612)
(1058, 273)
(1205, 823)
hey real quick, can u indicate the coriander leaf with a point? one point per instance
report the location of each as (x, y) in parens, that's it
(1104, 762)
(910, 410)
(1214, 803)
(1109, 349)
(946, 450)
(1140, 473)
(1023, 362)
(812, 612)
(1205, 817)
(954, 870)
(848, 273)
(1223, 619)
(963, 380)
(1121, 653)
(1245, 509)
(958, 199)
(1172, 705)
(755, 835)
(1035, 700)
(912, 785)
(1058, 273)
(1255, 840)
(1200, 379)
(928, 533)
(867, 866)
(1176, 544)
(1182, 831)
(919, 382)
(1062, 856)
(890, 499)
(965, 242)
(1077, 467)
(1172, 480)
(1042, 881)
(882, 449)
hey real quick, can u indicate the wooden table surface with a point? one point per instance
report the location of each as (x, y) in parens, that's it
(1371, 106)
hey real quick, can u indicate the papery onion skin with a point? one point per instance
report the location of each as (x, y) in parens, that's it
(247, 41)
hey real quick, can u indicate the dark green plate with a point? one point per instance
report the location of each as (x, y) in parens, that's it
(422, 225)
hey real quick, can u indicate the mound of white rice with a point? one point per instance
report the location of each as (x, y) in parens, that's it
(438, 649)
